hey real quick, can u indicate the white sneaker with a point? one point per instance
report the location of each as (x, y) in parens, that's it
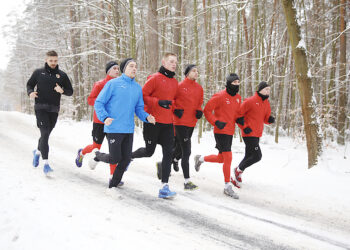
(197, 162)
(229, 192)
(92, 163)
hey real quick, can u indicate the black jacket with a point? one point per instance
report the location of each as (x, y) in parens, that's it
(45, 80)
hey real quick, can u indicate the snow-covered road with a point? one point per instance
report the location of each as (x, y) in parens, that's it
(282, 204)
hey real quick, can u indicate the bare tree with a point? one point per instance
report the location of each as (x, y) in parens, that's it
(313, 139)
(153, 52)
(342, 76)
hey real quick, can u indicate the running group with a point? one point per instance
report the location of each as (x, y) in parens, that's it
(169, 111)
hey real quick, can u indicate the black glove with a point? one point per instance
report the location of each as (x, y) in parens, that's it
(199, 114)
(240, 120)
(247, 130)
(220, 124)
(271, 119)
(164, 103)
(179, 112)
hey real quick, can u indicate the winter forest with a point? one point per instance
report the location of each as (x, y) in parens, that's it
(298, 47)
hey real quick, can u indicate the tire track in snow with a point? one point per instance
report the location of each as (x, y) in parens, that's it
(284, 226)
(216, 230)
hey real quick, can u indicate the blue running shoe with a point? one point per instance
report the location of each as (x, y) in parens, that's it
(47, 169)
(36, 158)
(165, 192)
(79, 159)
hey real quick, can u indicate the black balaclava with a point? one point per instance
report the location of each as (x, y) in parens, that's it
(232, 89)
(261, 86)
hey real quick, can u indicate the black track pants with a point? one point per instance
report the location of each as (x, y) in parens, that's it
(46, 121)
(252, 152)
(120, 148)
(162, 134)
(183, 147)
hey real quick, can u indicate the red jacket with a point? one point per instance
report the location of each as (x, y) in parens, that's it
(189, 97)
(256, 112)
(96, 89)
(226, 108)
(159, 87)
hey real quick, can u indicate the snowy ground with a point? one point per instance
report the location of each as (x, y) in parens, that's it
(282, 204)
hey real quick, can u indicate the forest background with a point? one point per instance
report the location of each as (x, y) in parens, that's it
(298, 47)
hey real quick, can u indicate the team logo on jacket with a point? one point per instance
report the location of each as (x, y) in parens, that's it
(228, 101)
(58, 76)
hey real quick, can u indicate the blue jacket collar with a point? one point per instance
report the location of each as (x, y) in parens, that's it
(126, 78)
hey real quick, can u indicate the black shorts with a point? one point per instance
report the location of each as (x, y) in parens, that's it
(46, 119)
(97, 132)
(223, 142)
(159, 133)
(183, 133)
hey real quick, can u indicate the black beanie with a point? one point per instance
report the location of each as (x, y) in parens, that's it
(110, 65)
(188, 68)
(262, 85)
(125, 63)
(231, 78)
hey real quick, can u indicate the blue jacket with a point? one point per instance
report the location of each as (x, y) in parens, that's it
(119, 99)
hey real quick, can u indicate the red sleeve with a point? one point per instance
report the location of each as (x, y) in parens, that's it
(147, 91)
(175, 106)
(96, 89)
(200, 103)
(244, 108)
(268, 113)
(239, 112)
(208, 110)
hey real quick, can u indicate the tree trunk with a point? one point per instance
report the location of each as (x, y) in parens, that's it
(238, 42)
(77, 69)
(132, 29)
(219, 72)
(313, 138)
(177, 34)
(270, 39)
(342, 77)
(153, 54)
(331, 93)
(116, 25)
(249, 78)
(195, 31)
(281, 93)
(209, 49)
